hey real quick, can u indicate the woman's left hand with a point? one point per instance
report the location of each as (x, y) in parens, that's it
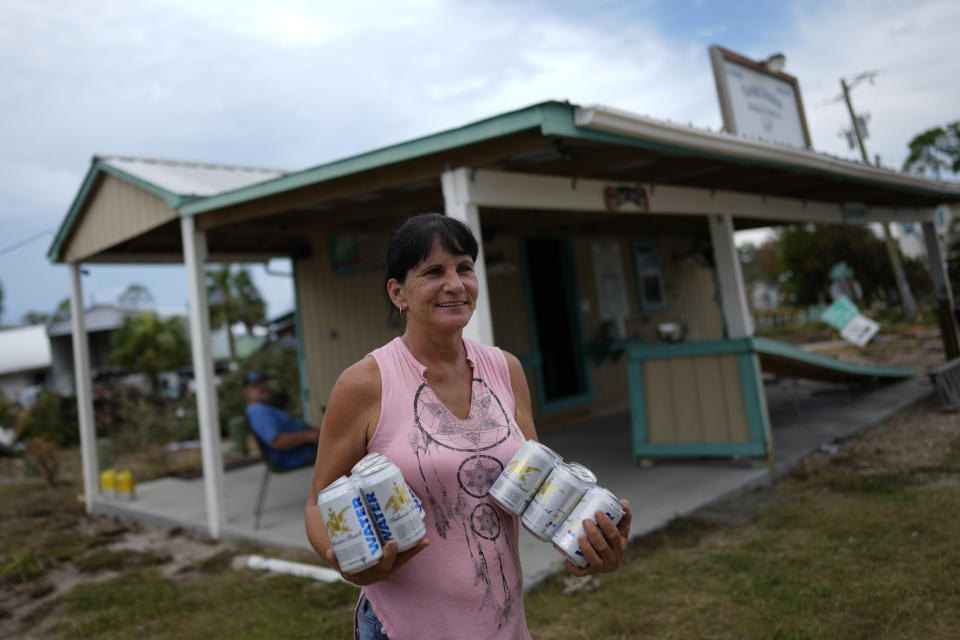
(604, 544)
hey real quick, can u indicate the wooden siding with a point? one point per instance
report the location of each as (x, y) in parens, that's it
(508, 307)
(343, 318)
(117, 211)
(694, 400)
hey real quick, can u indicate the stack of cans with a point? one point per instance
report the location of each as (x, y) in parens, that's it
(553, 497)
(366, 510)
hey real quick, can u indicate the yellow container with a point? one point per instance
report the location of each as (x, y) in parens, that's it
(108, 483)
(125, 485)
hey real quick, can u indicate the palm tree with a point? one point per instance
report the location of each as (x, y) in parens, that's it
(233, 298)
(151, 345)
(136, 296)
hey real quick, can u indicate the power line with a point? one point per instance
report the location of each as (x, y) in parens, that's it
(17, 245)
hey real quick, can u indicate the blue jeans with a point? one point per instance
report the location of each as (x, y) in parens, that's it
(368, 626)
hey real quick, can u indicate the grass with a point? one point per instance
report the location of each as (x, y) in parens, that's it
(837, 559)
(239, 604)
(857, 547)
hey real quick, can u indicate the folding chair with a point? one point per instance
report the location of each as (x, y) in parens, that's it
(269, 468)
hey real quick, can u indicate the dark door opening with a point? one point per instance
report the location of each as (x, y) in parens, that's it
(552, 289)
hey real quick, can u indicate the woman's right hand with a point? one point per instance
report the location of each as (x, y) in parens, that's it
(388, 565)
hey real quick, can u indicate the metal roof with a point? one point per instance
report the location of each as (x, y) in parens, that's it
(24, 349)
(103, 318)
(176, 181)
(377, 189)
(186, 179)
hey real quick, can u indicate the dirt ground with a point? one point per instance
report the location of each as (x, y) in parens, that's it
(50, 544)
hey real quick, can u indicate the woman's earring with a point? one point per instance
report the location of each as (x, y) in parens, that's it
(403, 313)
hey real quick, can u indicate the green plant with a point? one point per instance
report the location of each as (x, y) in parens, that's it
(51, 418)
(47, 457)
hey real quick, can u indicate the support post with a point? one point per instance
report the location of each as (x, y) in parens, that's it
(194, 257)
(941, 288)
(457, 204)
(733, 297)
(81, 373)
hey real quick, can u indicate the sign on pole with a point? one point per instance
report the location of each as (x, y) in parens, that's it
(757, 102)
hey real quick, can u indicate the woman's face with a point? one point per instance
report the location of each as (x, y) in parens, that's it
(439, 292)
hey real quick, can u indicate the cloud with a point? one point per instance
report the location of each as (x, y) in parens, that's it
(912, 45)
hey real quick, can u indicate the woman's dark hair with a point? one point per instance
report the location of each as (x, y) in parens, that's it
(413, 242)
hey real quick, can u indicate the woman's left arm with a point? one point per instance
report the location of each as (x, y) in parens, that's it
(604, 544)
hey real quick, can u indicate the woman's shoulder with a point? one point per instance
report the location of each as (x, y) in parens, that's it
(361, 377)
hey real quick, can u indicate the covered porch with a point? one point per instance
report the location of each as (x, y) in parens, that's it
(803, 418)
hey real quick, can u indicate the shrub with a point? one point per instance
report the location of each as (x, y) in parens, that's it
(47, 456)
(51, 418)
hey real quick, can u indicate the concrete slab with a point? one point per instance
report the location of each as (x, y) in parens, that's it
(804, 415)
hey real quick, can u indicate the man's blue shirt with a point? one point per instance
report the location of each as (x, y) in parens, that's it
(269, 422)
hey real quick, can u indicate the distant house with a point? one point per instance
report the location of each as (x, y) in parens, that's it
(25, 359)
(764, 295)
(101, 322)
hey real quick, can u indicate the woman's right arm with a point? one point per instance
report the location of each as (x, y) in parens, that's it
(350, 420)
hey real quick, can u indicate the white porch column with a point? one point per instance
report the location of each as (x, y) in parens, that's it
(733, 296)
(194, 257)
(81, 373)
(458, 204)
(941, 289)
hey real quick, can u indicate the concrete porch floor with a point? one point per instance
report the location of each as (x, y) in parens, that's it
(804, 415)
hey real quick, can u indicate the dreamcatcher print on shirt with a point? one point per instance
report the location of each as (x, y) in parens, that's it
(460, 445)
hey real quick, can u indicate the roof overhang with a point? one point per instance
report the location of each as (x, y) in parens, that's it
(376, 190)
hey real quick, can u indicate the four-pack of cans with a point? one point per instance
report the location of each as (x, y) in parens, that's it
(367, 509)
(374, 504)
(553, 497)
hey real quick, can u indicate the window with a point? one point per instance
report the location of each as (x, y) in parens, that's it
(649, 276)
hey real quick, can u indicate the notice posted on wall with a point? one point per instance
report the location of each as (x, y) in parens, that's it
(853, 326)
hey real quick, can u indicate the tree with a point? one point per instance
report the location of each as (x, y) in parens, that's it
(233, 298)
(35, 317)
(151, 345)
(761, 262)
(62, 312)
(136, 296)
(809, 252)
(934, 150)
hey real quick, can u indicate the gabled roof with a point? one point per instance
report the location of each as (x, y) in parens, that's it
(186, 179)
(24, 349)
(175, 181)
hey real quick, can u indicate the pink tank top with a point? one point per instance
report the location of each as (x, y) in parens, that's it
(467, 584)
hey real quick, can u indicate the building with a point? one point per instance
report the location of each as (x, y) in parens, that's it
(597, 227)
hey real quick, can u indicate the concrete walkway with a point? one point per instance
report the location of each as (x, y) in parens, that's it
(804, 416)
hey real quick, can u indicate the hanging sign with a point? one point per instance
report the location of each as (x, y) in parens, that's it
(611, 286)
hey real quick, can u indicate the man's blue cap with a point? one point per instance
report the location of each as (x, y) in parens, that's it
(254, 377)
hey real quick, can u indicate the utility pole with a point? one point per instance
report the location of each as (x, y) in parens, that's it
(903, 287)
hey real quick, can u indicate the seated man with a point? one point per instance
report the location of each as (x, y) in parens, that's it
(290, 443)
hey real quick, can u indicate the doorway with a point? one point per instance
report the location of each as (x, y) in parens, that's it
(556, 332)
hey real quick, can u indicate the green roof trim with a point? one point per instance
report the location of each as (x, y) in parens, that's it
(532, 117)
(97, 168)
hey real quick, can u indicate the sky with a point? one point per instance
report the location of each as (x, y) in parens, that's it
(292, 84)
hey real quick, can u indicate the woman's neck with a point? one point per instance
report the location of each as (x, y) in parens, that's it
(438, 350)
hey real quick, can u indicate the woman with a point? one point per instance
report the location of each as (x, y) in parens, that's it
(450, 413)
